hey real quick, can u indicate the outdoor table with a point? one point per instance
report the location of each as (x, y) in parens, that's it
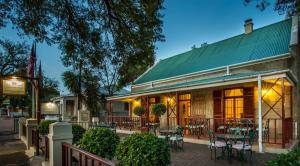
(230, 137)
(167, 132)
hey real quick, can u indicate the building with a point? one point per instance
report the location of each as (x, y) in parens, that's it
(67, 107)
(246, 81)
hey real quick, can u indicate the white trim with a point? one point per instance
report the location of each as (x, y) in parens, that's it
(223, 68)
(253, 78)
(259, 91)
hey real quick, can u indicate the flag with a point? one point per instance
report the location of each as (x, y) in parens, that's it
(32, 61)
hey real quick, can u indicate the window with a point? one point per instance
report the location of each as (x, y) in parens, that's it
(126, 106)
(234, 103)
(185, 97)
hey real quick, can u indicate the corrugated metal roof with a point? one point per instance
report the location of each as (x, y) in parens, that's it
(205, 81)
(262, 43)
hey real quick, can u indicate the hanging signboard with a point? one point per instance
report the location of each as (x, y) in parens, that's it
(13, 86)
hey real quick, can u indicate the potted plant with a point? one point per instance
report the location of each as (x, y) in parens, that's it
(140, 111)
(158, 110)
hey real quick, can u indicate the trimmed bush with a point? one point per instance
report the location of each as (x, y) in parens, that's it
(292, 158)
(143, 149)
(100, 141)
(43, 127)
(159, 109)
(77, 132)
(139, 111)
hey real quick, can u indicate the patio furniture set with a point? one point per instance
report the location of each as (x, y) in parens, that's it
(239, 142)
(173, 137)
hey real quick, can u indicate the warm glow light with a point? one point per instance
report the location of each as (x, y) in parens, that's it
(50, 105)
(169, 99)
(136, 102)
(264, 91)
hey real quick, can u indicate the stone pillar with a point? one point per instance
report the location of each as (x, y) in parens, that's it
(58, 132)
(22, 121)
(30, 125)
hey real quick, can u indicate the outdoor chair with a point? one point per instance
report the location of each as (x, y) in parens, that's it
(243, 147)
(177, 139)
(214, 145)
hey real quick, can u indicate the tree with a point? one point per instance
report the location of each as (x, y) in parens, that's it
(49, 89)
(13, 58)
(89, 86)
(13, 61)
(288, 7)
(86, 29)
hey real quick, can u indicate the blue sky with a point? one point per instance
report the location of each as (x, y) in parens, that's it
(186, 23)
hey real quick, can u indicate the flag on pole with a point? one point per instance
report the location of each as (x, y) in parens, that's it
(32, 61)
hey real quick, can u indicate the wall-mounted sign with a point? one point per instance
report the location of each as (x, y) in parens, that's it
(13, 86)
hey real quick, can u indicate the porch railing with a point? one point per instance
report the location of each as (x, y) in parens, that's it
(72, 155)
(274, 131)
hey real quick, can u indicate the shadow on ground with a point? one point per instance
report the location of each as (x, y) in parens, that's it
(12, 150)
(196, 154)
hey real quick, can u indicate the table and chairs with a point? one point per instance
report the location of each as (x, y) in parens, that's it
(240, 143)
(174, 137)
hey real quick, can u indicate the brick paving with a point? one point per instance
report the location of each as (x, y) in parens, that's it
(196, 154)
(199, 155)
(12, 150)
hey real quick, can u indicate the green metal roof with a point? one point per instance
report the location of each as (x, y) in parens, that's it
(207, 81)
(262, 43)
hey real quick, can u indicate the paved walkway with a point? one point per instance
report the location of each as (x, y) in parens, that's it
(196, 154)
(12, 150)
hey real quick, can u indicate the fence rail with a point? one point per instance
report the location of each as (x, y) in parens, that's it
(274, 131)
(72, 155)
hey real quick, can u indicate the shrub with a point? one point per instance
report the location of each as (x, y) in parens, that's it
(139, 111)
(77, 132)
(292, 158)
(143, 149)
(159, 109)
(100, 141)
(43, 127)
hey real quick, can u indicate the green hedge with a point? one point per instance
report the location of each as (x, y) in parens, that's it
(43, 127)
(77, 132)
(143, 150)
(100, 141)
(290, 159)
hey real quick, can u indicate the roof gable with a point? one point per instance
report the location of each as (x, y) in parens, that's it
(262, 43)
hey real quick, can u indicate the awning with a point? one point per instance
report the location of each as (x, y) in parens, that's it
(208, 82)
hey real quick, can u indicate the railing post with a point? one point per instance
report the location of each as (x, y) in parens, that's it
(59, 132)
(22, 122)
(30, 125)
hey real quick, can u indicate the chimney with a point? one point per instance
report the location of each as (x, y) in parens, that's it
(248, 26)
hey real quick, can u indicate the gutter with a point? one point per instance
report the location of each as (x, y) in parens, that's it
(223, 68)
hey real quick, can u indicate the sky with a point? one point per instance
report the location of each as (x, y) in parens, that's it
(185, 23)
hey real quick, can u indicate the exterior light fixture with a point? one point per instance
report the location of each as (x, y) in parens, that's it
(50, 105)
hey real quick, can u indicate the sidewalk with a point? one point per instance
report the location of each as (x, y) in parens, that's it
(12, 150)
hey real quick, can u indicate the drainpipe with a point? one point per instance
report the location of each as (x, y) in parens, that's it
(260, 146)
